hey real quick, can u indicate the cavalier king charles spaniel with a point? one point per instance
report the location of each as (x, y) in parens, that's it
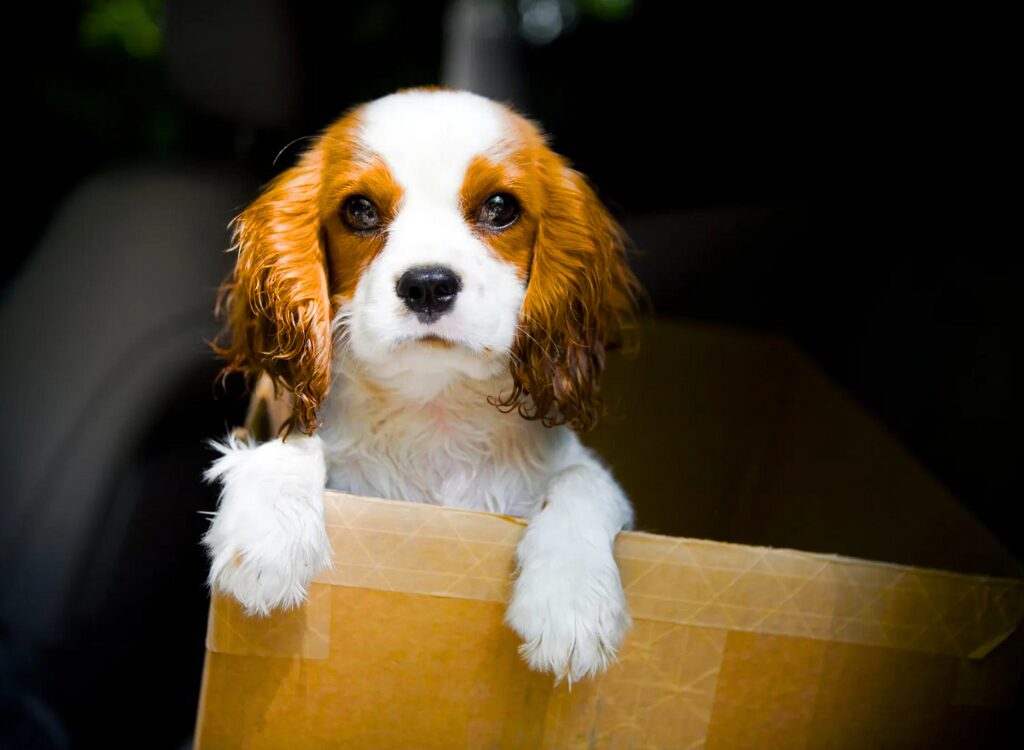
(437, 290)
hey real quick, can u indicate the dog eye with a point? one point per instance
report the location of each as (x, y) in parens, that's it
(498, 211)
(360, 214)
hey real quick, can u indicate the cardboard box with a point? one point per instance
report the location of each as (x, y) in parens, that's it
(734, 646)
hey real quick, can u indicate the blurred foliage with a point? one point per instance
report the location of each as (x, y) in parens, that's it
(608, 10)
(132, 26)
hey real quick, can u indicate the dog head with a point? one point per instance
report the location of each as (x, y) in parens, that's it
(427, 237)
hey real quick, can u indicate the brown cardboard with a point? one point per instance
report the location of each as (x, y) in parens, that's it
(402, 645)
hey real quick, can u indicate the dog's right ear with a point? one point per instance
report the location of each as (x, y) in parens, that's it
(277, 300)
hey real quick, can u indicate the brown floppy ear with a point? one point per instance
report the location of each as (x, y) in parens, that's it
(580, 303)
(278, 309)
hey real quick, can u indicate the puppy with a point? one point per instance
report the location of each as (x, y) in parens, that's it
(437, 289)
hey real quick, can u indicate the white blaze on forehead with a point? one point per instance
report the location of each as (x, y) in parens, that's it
(429, 138)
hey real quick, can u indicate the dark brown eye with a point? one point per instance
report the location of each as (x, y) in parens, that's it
(498, 211)
(360, 214)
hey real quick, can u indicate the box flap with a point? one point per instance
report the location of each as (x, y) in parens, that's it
(720, 433)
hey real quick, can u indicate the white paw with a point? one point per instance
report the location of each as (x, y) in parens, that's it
(571, 613)
(268, 539)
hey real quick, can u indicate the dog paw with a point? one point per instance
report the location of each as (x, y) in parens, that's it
(268, 539)
(571, 614)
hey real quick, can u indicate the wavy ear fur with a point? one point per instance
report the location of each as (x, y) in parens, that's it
(580, 303)
(277, 302)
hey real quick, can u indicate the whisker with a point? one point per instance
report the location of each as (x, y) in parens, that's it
(289, 145)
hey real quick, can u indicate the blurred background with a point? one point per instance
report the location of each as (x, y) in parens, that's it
(848, 179)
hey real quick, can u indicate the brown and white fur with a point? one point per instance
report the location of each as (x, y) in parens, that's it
(474, 406)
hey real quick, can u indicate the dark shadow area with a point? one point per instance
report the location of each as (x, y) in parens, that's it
(138, 615)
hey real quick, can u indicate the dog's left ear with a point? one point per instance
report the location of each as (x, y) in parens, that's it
(580, 303)
(277, 299)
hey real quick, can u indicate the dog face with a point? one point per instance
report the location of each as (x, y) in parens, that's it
(426, 237)
(431, 214)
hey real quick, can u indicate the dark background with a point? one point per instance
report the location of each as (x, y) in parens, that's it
(851, 179)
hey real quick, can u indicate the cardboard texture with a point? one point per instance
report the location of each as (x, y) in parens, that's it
(402, 645)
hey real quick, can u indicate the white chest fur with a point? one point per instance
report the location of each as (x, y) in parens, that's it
(454, 449)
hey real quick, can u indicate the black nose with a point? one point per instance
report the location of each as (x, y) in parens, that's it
(429, 291)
